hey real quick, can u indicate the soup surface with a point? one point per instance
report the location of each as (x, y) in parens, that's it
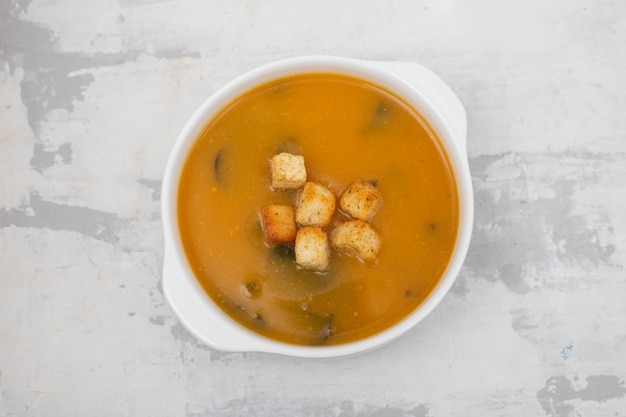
(347, 130)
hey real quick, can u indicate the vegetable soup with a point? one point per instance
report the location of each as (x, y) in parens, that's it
(347, 130)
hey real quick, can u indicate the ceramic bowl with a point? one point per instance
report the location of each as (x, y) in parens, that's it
(415, 84)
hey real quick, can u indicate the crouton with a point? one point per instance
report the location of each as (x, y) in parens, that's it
(279, 225)
(356, 238)
(316, 205)
(288, 171)
(312, 249)
(361, 201)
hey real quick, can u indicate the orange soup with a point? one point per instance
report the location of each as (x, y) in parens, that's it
(347, 130)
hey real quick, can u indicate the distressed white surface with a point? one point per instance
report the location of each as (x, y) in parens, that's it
(92, 95)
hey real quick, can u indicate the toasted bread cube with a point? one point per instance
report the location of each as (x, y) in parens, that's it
(356, 238)
(279, 225)
(316, 205)
(288, 171)
(312, 249)
(361, 201)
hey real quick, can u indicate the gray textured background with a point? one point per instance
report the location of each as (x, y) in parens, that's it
(92, 96)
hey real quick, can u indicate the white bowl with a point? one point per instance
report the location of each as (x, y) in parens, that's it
(419, 87)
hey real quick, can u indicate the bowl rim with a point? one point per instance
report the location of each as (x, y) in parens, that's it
(378, 73)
